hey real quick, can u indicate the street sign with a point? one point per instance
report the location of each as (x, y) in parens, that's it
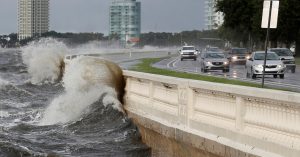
(274, 14)
(269, 20)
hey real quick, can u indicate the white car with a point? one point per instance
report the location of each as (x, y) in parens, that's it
(274, 66)
(293, 49)
(188, 52)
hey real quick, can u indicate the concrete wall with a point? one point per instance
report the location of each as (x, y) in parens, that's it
(217, 119)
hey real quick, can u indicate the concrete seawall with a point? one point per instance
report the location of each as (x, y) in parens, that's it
(180, 117)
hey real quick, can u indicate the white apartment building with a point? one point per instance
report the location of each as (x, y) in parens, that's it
(125, 20)
(213, 19)
(33, 18)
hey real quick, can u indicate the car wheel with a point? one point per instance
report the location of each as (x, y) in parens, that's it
(293, 70)
(253, 76)
(195, 59)
(227, 70)
(275, 76)
(205, 70)
(181, 59)
(281, 76)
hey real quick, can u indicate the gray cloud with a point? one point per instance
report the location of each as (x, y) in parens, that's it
(92, 15)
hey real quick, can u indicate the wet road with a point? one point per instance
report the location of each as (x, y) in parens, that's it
(237, 72)
(127, 60)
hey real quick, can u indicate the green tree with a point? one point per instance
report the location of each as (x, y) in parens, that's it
(244, 17)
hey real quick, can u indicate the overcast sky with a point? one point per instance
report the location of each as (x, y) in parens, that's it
(92, 15)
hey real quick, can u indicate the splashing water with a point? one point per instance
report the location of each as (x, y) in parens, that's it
(85, 80)
(44, 60)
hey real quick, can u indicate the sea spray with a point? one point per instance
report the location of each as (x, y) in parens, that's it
(44, 59)
(3, 83)
(85, 80)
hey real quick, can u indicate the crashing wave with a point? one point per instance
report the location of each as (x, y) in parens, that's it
(86, 80)
(44, 60)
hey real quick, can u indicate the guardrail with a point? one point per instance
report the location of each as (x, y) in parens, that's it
(257, 121)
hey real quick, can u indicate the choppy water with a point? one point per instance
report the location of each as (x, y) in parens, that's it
(100, 130)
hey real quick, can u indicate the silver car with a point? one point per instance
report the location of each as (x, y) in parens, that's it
(287, 58)
(214, 61)
(274, 66)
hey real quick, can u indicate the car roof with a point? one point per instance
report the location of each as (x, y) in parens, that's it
(215, 52)
(263, 52)
(237, 48)
(213, 47)
(188, 46)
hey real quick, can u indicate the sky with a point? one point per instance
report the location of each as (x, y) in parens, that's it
(93, 15)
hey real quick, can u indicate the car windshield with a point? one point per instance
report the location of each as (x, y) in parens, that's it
(283, 52)
(188, 48)
(213, 49)
(239, 51)
(215, 55)
(270, 56)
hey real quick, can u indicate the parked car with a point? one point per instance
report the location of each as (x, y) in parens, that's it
(274, 66)
(287, 57)
(188, 52)
(214, 61)
(238, 55)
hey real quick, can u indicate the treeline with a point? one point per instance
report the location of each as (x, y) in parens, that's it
(9, 41)
(243, 23)
(196, 37)
(158, 39)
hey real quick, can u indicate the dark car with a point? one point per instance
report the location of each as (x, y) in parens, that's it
(238, 55)
(286, 55)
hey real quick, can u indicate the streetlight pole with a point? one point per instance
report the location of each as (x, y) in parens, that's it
(266, 44)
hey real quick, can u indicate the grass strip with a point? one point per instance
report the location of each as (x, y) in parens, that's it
(145, 66)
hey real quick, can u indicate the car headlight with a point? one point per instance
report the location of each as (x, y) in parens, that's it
(234, 57)
(225, 63)
(280, 66)
(247, 57)
(259, 66)
(208, 62)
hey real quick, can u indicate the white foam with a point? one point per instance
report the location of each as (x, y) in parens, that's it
(43, 59)
(3, 83)
(85, 80)
(4, 114)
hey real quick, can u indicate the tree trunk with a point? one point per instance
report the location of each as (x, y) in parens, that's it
(273, 44)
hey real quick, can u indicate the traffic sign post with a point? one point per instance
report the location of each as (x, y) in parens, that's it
(269, 20)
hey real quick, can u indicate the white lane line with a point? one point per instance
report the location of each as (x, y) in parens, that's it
(175, 63)
(168, 65)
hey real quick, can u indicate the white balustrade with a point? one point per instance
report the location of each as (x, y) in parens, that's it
(262, 122)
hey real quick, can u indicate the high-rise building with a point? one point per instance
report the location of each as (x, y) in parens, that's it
(213, 19)
(125, 21)
(33, 18)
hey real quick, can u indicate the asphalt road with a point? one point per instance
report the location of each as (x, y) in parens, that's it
(237, 72)
(127, 60)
